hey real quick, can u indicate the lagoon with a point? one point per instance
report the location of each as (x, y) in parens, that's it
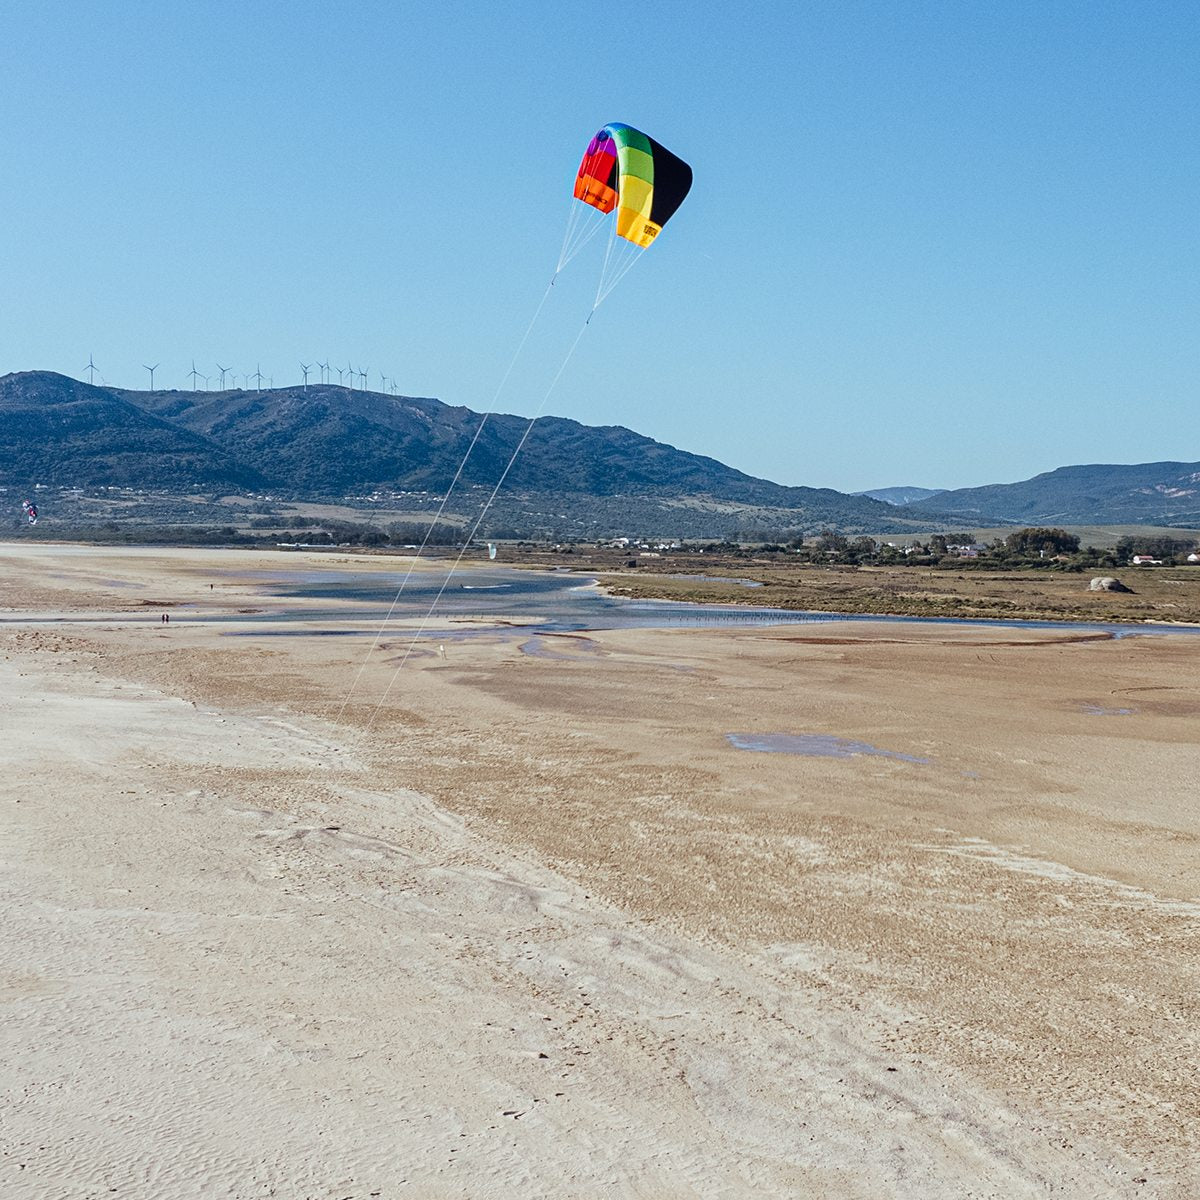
(564, 602)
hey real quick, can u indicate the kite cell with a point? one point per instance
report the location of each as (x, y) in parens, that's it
(626, 170)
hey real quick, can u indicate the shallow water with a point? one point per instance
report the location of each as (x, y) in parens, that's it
(568, 650)
(563, 602)
(530, 602)
(551, 601)
(813, 745)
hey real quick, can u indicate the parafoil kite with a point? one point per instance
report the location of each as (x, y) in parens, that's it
(30, 511)
(626, 170)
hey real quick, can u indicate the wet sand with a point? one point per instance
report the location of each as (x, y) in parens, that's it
(520, 919)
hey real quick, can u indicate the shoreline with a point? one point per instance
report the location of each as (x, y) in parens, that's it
(728, 595)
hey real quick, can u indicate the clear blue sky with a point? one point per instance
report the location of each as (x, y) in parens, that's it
(945, 244)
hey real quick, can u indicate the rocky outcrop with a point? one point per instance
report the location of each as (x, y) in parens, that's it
(1106, 583)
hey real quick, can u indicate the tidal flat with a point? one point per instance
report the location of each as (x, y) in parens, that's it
(460, 916)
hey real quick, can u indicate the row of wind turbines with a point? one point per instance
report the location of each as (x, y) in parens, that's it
(355, 378)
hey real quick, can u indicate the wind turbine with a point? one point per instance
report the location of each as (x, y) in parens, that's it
(324, 371)
(305, 367)
(194, 375)
(91, 370)
(258, 376)
(363, 376)
(152, 370)
(340, 374)
(223, 371)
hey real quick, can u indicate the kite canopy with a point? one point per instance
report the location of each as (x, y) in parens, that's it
(626, 170)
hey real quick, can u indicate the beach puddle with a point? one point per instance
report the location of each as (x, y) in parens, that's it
(567, 649)
(1098, 710)
(813, 745)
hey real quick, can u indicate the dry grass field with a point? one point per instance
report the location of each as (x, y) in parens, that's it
(1166, 594)
(1157, 594)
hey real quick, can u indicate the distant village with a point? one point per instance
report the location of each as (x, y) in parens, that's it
(1034, 546)
(138, 515)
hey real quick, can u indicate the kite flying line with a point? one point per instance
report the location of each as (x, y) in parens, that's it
(623, 170)
(441, 507)
(474, 530)
(467, 541)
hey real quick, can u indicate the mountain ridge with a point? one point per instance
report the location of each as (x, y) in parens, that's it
(1159, 493)
(75, 429)
(901, 495)
(326, 441)
(331, 441)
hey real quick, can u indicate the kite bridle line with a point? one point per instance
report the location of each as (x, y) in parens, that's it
(583, 223)
(618, 262)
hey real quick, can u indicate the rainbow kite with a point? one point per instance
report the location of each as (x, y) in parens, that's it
(626, 170)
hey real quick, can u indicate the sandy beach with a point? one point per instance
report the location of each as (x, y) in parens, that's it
(331, 917)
